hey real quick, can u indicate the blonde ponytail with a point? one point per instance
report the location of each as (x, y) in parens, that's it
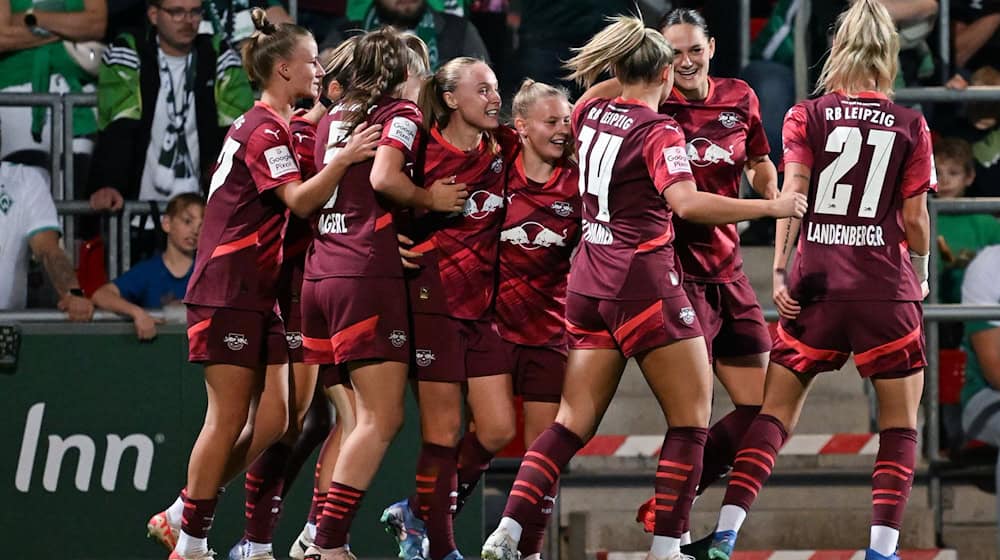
(626, 48)
(865, 52)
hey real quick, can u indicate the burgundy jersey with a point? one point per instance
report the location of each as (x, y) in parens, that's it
(459, 267)
(539, 233)
(298, 234)
(722, 131)
(354, 230)
(629, 155)
(866, 155)
(239, 249)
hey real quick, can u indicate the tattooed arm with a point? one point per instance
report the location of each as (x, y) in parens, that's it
(786, 233)
(45, 247)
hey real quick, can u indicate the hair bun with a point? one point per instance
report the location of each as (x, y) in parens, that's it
(260, 21)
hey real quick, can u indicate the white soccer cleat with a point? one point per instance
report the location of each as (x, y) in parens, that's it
(500, 546)
(300, 546)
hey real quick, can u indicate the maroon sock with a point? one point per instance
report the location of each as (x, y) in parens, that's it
(316, 508)
(437, 486)
(473, 461)
(264, 483)
(893, 475)
(533, 528)
(677, 475)
(198, 516)
(315, 427)
(540, 470)
(723, 442)
(755, 460)
(342, 503)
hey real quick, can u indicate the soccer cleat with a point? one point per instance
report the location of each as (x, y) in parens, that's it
(238, 550)
(209, 555)
(454, 555)
(406, 528)
(268, 555)
(300, 546)
(698, 549)
(723, 543)
(159, 528)
(500, 546)
(678, 555)
(535, 556)
(339, 553)
(872, 554)
(647, 515)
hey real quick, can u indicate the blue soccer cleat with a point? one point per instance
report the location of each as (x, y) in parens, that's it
(406, 528)
(723, 543)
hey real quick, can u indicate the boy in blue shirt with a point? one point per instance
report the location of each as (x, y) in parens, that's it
(162, 279)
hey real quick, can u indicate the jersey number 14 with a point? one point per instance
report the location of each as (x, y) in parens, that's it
(597, 159)
(833, 197)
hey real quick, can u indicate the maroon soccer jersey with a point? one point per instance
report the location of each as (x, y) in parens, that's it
(541, 228)
(629, 155)
(298, 234)
(355, 234)
(239, 250)
(866, 155)
(722, 131)
(459, 267)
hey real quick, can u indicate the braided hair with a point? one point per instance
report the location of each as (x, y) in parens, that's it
(380, 61)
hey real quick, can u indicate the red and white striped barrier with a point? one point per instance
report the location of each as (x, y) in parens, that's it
(924, 554)
(798, 444)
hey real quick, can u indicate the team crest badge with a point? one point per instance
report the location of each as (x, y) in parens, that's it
(397, 338)
(235, 341)
(5, 202)
(562, 208)
(497, 164)
(729, 119)
(425, 357)
(294, 339)
(687, 315)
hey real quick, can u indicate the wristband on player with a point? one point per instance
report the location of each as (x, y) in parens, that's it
(919, 263)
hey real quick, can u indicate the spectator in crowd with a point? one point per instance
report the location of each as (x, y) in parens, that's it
(229, 20)
(447, 36)
(976, 30)
(979, 124)
(960, 236)
(162, 279)
(166, 99)
(28, 224)
(981, 392)
(357, 9)
(41, 51)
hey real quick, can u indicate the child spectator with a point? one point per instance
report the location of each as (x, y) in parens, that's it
(163, 278)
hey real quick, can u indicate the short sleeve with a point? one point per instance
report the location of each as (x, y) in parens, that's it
(402, 131)
(919, 175)
(40, 212)
(579, 110)
(979, 287)
(756, 137)
(795, 138)
(132, 284)
(304, 139)
(270, 157)
(665, 153)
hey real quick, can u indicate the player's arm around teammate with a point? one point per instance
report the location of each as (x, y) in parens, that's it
(853, 288)
(619, 306)
(233, 329)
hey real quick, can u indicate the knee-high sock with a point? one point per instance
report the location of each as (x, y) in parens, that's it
(473, 461)
(264, 484)
(540, 470)
(677, 475)
(755, 460)
(437, 490)
(342, 503)
(893, 475)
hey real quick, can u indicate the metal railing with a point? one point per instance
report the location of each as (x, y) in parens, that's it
(119, 238)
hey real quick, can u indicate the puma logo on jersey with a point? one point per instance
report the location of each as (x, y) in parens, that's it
(274, 133)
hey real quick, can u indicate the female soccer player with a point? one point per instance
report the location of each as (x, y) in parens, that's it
(860, 271)
(233, 328)
(625, 297)
(720, 118)
(452, 303)
(539, 233)
(353, 298)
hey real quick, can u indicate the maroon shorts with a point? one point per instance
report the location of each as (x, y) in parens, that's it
(348, 319)
(235, 336)
(290, 303)
(631, 327)
(450, 350)
(538, 371)
(730, 317)
(886, 338)
(331, 375)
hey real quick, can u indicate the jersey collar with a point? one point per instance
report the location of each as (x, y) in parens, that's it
(436, 133)
(864, 95)
(677, 96)
(519, 169)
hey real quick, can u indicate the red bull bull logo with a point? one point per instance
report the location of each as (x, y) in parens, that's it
(702, 152)
(532, 236)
